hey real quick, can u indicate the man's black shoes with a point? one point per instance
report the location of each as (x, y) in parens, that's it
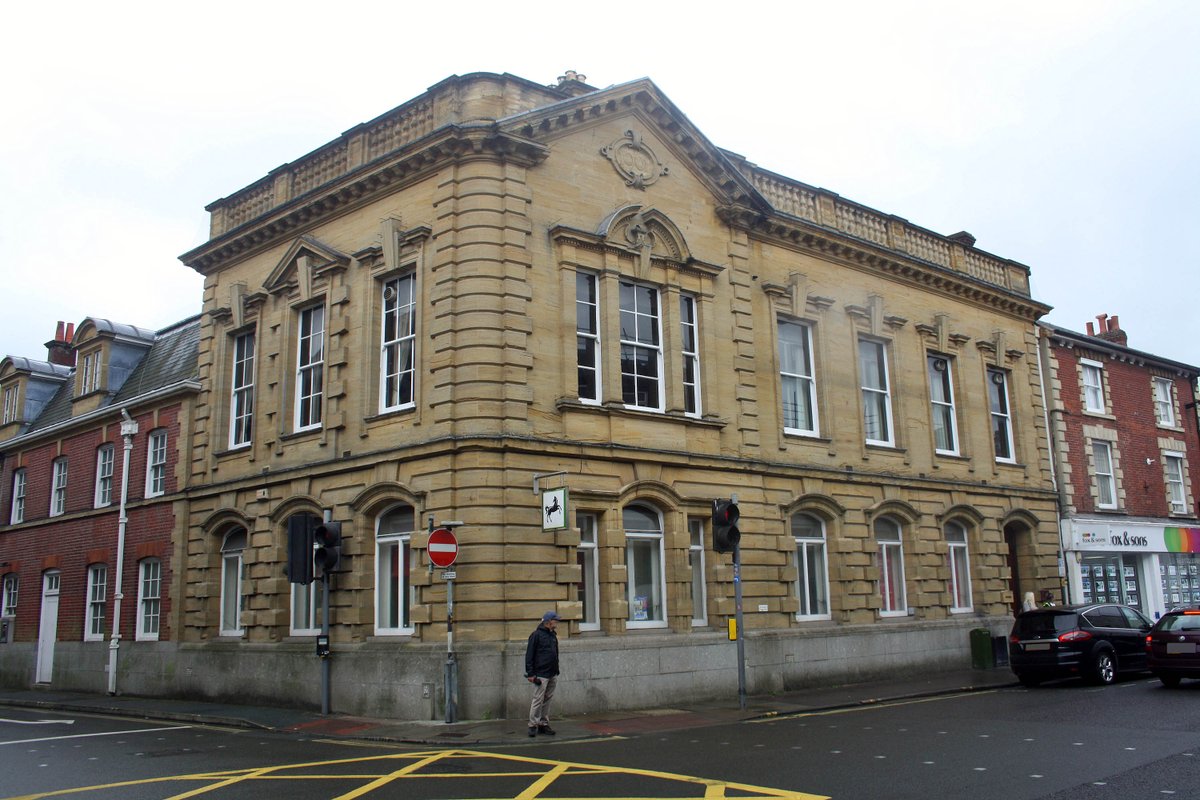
(545, 730)
(532, 732)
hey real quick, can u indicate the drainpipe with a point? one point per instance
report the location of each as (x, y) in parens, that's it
(129, 428)
(1053, 422)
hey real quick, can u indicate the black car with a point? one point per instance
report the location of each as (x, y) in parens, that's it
(1093, 641)
(1173, 646)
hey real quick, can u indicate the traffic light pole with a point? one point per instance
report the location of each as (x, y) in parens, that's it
(325, 665)
(741, 635)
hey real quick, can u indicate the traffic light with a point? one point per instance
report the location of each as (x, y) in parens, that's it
(299, 568)
(724, 522)
(328, 538)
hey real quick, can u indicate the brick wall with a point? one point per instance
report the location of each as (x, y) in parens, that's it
(1130, 418)
(84, 535)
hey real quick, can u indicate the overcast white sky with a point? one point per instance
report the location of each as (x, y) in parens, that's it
(1063, 135)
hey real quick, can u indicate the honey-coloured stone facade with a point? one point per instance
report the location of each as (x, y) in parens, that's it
(493, 197)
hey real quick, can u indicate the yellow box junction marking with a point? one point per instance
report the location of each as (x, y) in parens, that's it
(544, 774)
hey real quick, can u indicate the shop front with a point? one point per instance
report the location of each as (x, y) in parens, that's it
(1148, 565)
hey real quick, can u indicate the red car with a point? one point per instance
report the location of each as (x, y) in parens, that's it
(1173, 646)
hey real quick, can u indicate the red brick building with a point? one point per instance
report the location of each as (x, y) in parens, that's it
(90, 443)
(1127, 465)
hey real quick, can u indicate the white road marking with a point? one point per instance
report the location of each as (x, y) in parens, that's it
(39, 721)
(89, 735)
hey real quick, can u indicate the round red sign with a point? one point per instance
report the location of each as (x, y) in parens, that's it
(443, 547)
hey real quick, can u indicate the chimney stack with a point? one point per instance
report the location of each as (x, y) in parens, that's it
(574, 83)
(58, 349)
(1110, 330)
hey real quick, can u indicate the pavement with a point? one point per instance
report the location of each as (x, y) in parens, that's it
(514, 731)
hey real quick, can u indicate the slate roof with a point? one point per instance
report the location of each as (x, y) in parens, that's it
(171, 359)
(1100, 343)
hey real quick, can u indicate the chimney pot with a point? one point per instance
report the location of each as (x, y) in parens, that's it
(1114, 323)
(58, 349)
(1091, 329)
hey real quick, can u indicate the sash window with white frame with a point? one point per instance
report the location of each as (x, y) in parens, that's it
(1093, 386)
(876, 392)
(646, 588)
(1002, 436)
(156, 463)
(232, 579)
(310, 368)
(690, 344)
(960, 567)
(394, 592)
(58, 489)
(812, 571)
(941, 398)
(587, 591)
(797, 379)
(149, 600)
(641, 347)
(399, 340)
(90, 373)
(696, 571)
(587, 337)
(105, 456)
(306, 598)
(10, 404)
(1106, 485)
(1176, 488)
(1164, 402)
(241, 416)
(97, 588)
(17, 513)
(893, 598)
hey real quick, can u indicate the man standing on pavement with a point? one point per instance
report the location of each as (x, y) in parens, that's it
(541, 669)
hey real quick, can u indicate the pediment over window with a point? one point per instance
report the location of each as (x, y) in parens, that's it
(306, 261)
(643, 232)
(873, 318)
(938, 335)
(638, 228)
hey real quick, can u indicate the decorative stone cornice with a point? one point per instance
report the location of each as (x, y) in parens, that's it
(449, 144)
(815, 239)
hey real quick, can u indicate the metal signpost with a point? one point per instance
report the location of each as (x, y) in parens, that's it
(443, 550)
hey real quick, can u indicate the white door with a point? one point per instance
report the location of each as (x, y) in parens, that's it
(48, 628)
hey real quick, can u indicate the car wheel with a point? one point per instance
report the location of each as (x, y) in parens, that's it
(1169, 681)
(1029, 681)
(1104, 668)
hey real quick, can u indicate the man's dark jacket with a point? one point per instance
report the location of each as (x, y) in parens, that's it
(541, 654)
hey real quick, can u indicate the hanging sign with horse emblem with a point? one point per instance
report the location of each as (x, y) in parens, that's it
(554, 509)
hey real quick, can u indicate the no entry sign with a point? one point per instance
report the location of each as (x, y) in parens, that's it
(443, 547)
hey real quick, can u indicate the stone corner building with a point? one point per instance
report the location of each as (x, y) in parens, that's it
(501, 286)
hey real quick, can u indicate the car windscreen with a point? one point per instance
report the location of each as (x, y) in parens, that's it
(1045, 623)
(1180, 622)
